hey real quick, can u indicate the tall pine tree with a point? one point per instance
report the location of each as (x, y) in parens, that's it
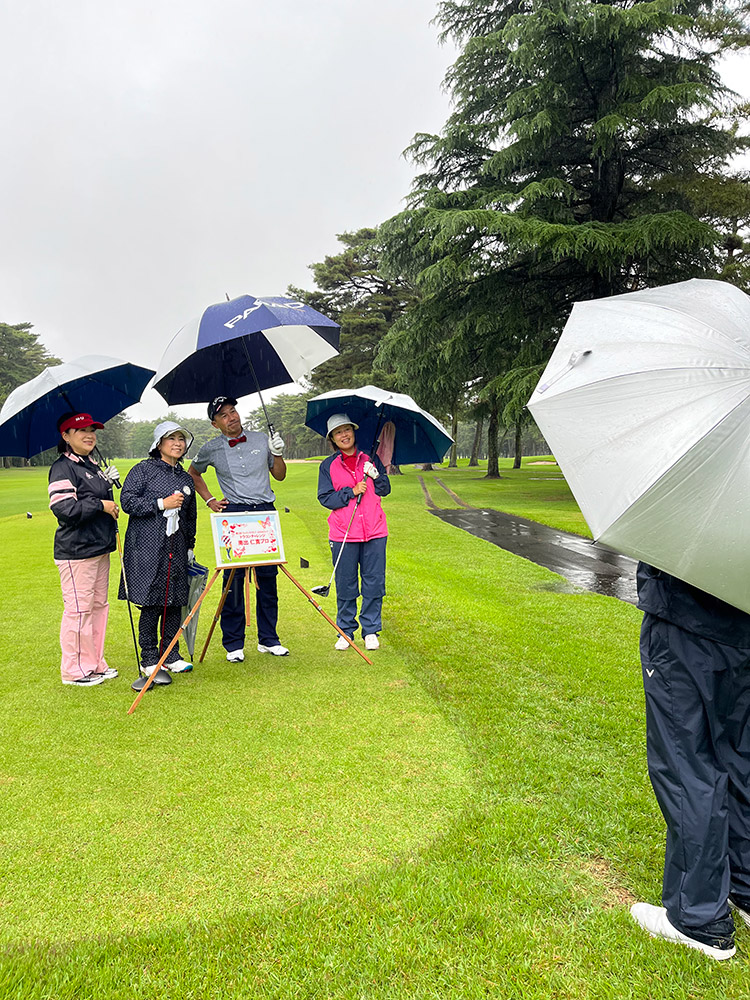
(587, 155)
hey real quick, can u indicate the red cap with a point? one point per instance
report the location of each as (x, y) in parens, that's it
(76, 421)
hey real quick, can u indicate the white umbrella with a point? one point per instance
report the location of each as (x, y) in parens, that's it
(645, 403)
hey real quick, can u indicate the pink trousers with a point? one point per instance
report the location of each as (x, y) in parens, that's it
(84, 621)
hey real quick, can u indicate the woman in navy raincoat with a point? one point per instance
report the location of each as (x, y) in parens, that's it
(159, 497)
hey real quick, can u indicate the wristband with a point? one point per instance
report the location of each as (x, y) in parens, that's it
(208, 502)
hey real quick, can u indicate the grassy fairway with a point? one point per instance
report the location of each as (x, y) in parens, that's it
(469, 817)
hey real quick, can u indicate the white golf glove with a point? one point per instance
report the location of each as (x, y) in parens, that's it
(173, 521)
(370, 470)
(276, 443)
(190, 557)
(111, 474)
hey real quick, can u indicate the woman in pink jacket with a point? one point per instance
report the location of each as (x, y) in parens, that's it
(350, 484)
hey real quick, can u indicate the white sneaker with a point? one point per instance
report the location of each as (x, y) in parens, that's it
(276, 650)
(236, 656)
(740, 911)
(341, 643)
(654, 919)
(372, 642)
(109, 674)
(179, 667)
(89, 681)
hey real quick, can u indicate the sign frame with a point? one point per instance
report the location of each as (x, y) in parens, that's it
(256, 534)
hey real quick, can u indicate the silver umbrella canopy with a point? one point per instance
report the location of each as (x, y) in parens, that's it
(645, 403)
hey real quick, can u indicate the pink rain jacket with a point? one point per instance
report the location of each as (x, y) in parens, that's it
(335, 484)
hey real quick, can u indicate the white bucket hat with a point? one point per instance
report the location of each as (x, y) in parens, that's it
(167, 427)
(338, 420)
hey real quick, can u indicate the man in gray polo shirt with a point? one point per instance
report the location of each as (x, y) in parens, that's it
(243, 461)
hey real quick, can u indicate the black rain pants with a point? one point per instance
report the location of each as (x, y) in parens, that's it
(698, 741)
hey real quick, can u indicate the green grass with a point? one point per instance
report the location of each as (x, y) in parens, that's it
(537, 490)
(469, 817)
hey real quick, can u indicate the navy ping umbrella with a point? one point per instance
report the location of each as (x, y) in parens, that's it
(417, 435)
(242, 346)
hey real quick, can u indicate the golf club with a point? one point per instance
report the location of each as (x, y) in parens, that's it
(324, 589)
(162, 678)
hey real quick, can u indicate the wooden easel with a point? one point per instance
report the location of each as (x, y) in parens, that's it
(249, 569)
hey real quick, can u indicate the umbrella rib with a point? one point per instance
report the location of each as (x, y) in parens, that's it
(648, 371)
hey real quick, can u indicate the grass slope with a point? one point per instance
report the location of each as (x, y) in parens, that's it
(504, 724)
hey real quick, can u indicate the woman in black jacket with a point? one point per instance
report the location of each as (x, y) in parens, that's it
(159, 497)
(80, 497)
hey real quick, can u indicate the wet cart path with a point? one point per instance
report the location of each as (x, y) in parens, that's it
(582, 563)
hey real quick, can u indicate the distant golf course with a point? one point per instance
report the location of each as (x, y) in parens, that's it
(469, 817)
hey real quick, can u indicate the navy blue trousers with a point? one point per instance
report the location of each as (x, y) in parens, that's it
(365, 562)
(698, 742)
(266, 599)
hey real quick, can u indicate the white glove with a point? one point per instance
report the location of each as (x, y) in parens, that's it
(190, 557)
(276, 443)
(370, 470)
(173, 521)
(111, 473)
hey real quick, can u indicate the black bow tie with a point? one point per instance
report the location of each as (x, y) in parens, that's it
(238, 440)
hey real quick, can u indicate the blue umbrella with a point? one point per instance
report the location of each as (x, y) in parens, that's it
(419, 437)
(243, 346)
(94, 384)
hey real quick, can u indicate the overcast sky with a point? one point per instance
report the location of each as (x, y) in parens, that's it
(157, 154)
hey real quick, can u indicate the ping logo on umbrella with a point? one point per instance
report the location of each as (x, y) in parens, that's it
(258, 303)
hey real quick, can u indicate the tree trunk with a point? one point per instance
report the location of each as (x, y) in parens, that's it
(493, 469)
(394, 470)
(517, 458)
(474, 460)
(453, 460)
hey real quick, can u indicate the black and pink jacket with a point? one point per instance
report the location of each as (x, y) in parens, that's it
(77, 487)
(335, 491)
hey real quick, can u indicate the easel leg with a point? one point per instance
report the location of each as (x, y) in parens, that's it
(170, 647)
(248, 619)
(218, 614)
(317, 607)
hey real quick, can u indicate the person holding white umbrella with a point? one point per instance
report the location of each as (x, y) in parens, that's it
(646, 405)
(695, 652)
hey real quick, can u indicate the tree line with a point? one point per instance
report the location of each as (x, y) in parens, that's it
(589, 152)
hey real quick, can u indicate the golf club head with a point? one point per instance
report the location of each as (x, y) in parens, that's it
(323, 590)
(161, 680)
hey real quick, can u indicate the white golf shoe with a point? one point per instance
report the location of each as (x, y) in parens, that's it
(274, 650)
(341, 643)
(654, 919)
(91, 681)
(740, 911)
(179, 667)
(236, 656)
(372, 642)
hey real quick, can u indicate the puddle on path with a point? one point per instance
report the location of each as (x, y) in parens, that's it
(582, 563)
